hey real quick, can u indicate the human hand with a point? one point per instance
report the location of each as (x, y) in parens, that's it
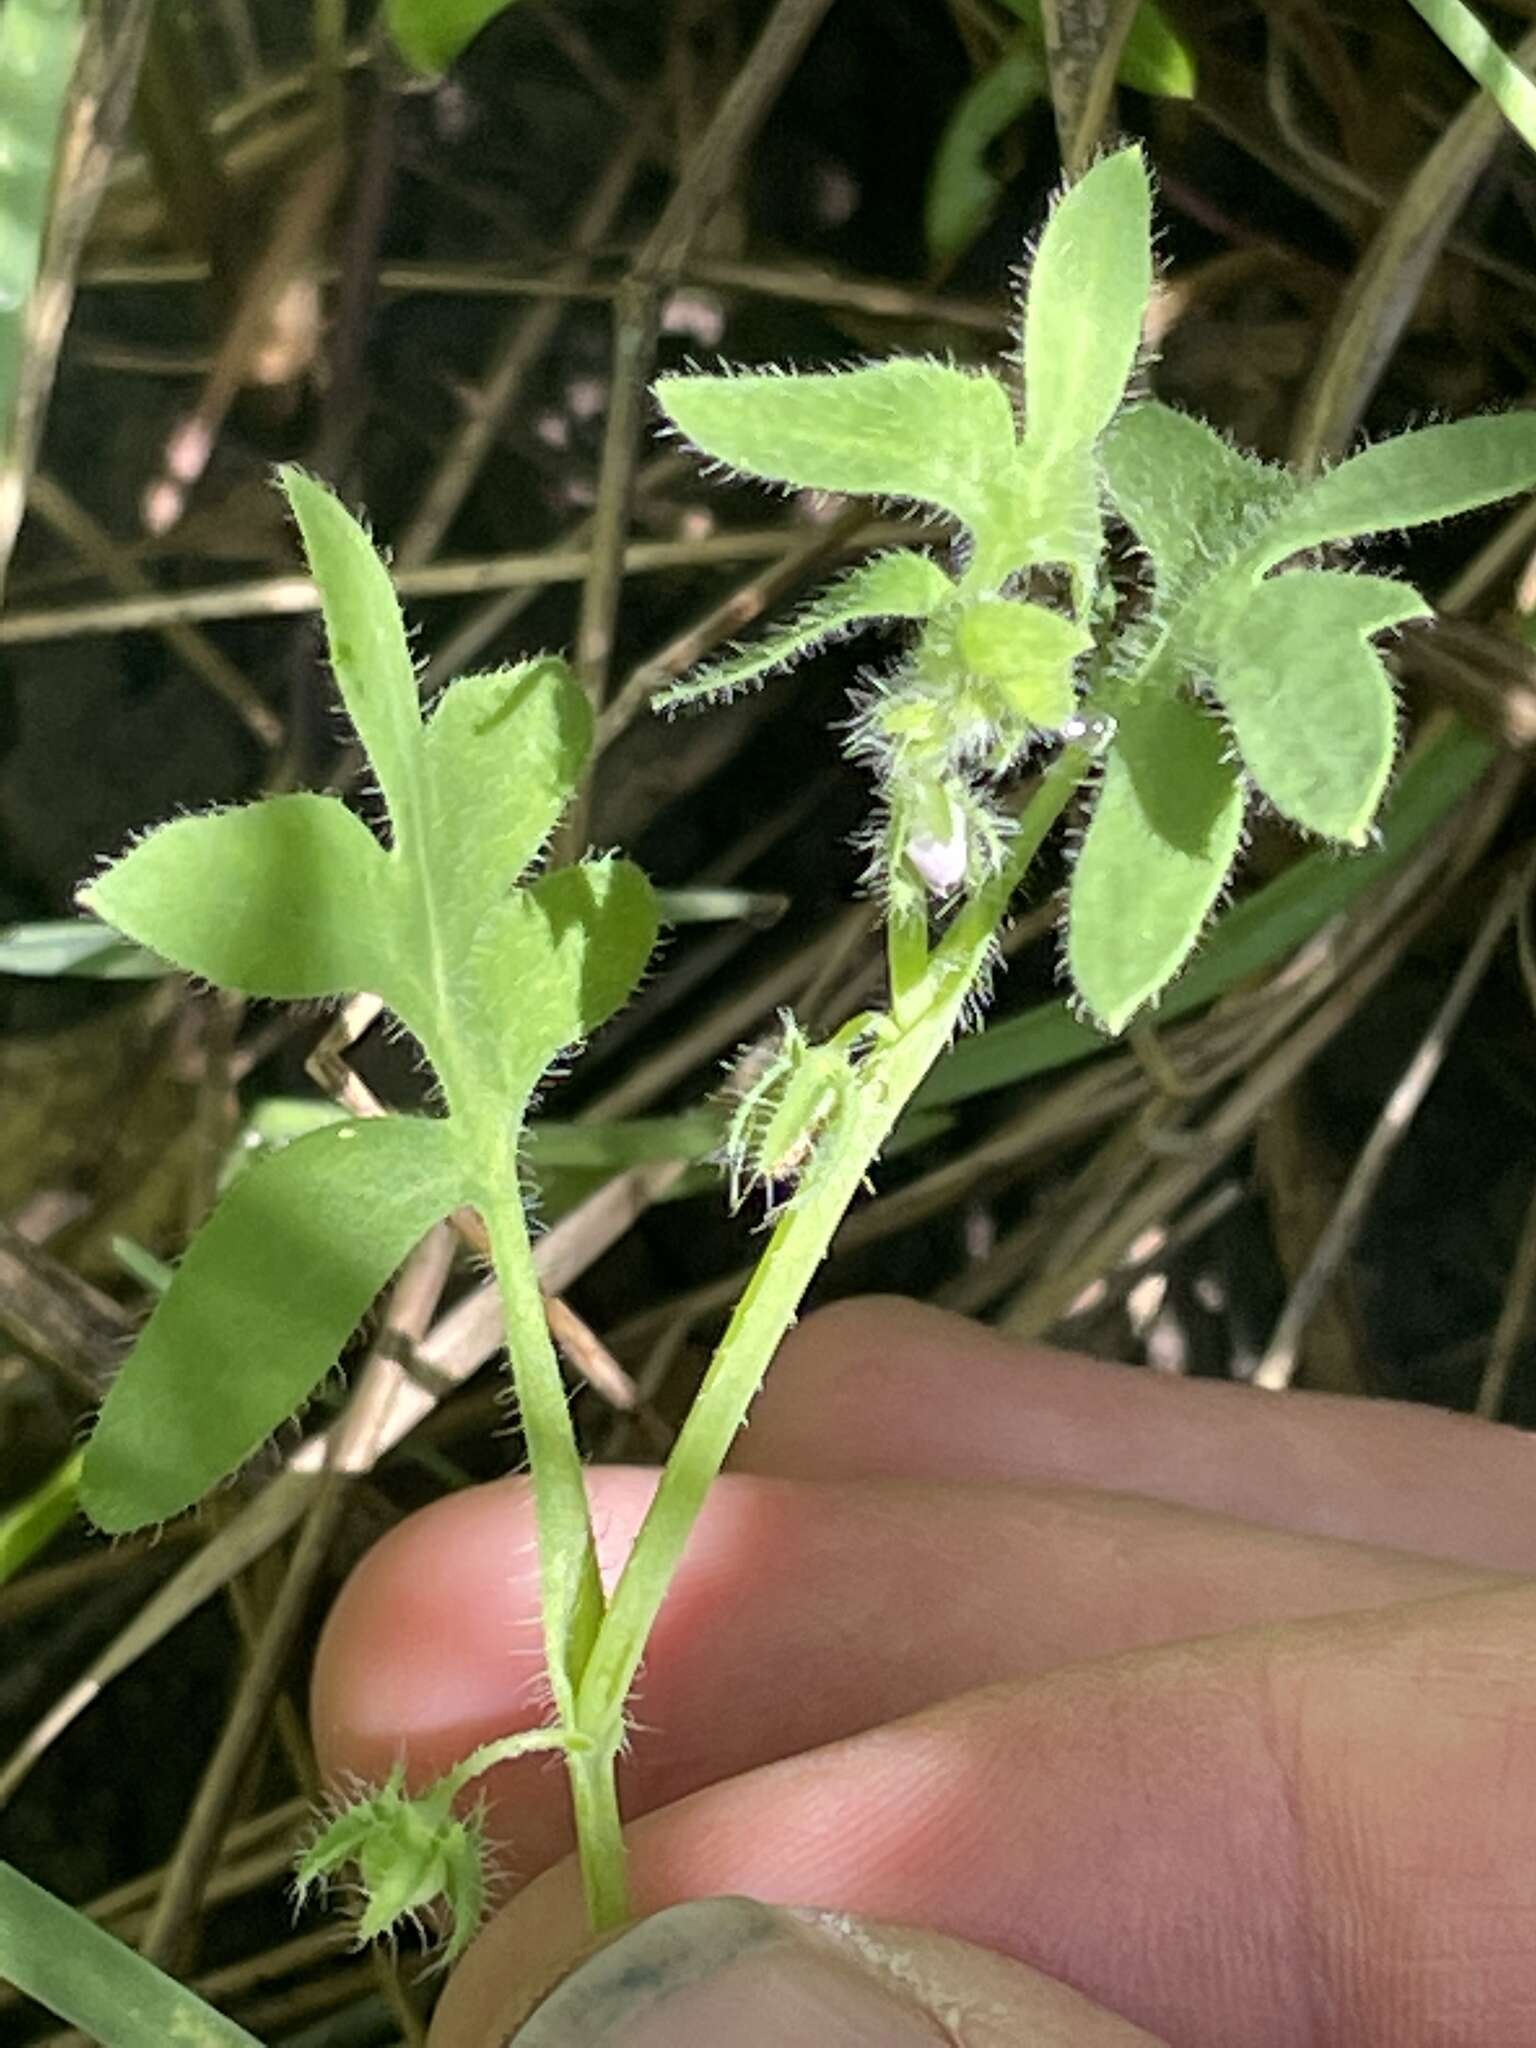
(1217, 1707)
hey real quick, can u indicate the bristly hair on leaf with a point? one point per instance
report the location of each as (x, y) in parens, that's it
(293, 898)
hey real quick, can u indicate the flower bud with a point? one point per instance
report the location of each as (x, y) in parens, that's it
(411, 1854)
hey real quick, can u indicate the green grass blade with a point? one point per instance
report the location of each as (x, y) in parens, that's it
(56, 947)
(963, 188)
(1511, 91)
(39, 45)
(29, 1525)
(85, 1975)
(1154, 59)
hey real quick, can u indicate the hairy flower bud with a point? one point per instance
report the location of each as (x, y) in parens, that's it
(942, 857)
(411, 1855)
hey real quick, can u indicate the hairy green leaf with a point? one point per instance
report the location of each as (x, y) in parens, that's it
(552, 962)
(288, 897)
(900, 585)
(268, 1294)
(370, 656)
(1432, 473)
(1310, 703)
(1190, 497)
(430, 34)
(907, 428)
(1086, 299)
(1158, 849)
(1026, 652)
(1045, 509)
(1252, 936)
(502, 754)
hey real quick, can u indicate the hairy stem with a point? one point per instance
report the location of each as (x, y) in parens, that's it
(906, 952)
(887, 1081)
(600, 1836)
(570, 1591)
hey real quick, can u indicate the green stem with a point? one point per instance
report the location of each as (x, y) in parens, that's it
(906, 953)
(571, 1593)
(504, 1750)
(888, 1079)
(570, 1589)
(600, 1837)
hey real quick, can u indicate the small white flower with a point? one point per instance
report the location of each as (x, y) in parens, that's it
(941, 859)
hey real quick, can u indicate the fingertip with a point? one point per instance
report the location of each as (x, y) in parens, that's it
(879, 1386)
(427, 1638)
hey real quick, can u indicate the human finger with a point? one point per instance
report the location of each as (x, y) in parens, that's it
(888, 1388)
(801, 1613)
(717, 1970)
(1317, 1835)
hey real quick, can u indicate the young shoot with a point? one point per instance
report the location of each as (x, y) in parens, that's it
(1233, 677)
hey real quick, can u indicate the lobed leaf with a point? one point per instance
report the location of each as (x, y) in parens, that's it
(501, 754)
(286, 898)
(907, 428)
(901, 585)
(1310, 702)
(1083, 310)
(1433, 473)
(1158, 849)
(267, 1296)
(1189, 496)
(1249, 938)
(370, 656)
(552, 962)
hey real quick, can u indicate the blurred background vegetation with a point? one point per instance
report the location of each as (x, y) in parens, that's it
(437, 257)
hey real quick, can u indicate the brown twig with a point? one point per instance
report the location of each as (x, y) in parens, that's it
(704, 182)
(520, 345)
(1390, 278)
(296, 596)
(99, 551)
